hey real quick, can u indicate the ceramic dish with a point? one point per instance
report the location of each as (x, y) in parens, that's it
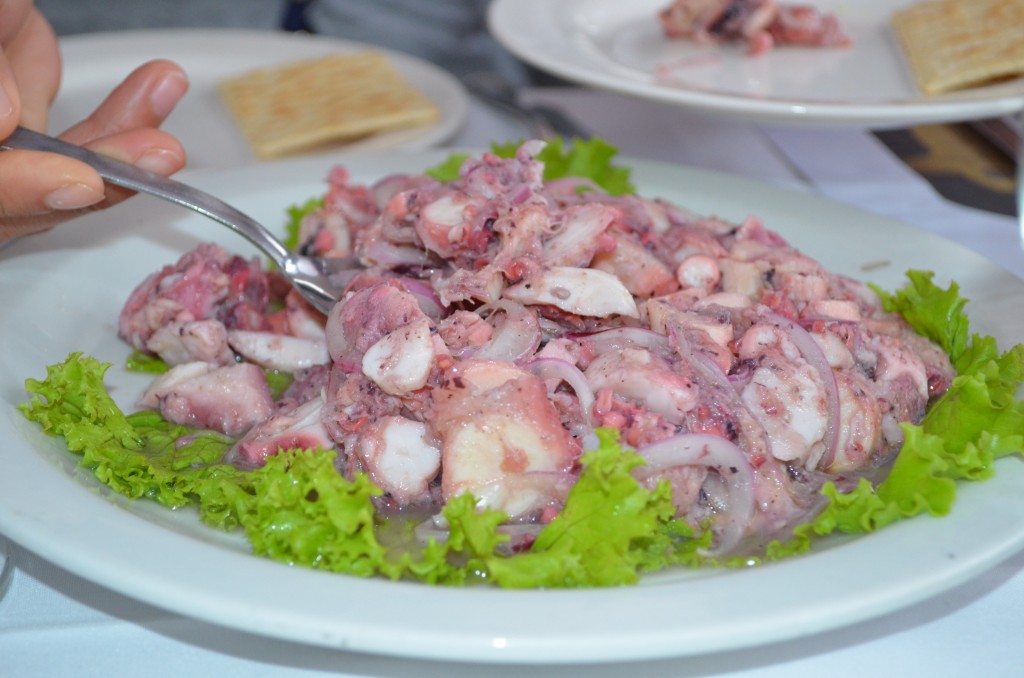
(619, 46)
(170, 560)
(94, 64)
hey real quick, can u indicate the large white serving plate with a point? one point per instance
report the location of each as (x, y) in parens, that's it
(619, 46)
(63, 291)
(94, 63)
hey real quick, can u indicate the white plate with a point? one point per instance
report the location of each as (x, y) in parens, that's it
(170, 560)
(619, 46)
(94, 63)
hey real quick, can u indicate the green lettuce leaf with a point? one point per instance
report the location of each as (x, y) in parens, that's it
(611, 529)
(137, 361)
(585, 158)
(295, 214)
(977, 420)
(299, 509)
(304, 512)
(932, 312)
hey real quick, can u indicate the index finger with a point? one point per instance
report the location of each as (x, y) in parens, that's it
(13, 15)
(34, 60)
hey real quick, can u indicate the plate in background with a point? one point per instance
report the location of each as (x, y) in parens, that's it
(620, 46)
(95, 63)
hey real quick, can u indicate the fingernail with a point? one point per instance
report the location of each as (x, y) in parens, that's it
(6, 105)
(167, 93)
(73, 197)
(159, 161)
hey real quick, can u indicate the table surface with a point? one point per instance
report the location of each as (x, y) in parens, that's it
(53, 623)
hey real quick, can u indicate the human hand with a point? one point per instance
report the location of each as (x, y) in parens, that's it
(39, 190)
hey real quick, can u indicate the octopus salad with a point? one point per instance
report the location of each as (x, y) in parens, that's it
(501, 319)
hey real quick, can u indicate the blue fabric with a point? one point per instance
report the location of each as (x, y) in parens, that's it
(450, 33)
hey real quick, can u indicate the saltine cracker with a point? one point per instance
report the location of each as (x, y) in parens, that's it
(953, 44)
(301, 105)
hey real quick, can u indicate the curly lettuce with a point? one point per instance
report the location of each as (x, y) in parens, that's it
(976, 421)
(298, 509)
(586, 158)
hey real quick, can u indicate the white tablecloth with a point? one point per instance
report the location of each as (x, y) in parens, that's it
(53, 623)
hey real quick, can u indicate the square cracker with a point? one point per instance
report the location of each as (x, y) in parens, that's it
(341, 97)
(953, 44)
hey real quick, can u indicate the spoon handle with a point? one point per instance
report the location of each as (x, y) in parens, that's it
(137, 179)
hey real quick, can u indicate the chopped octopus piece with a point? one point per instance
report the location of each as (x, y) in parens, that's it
(206, 283)
(279, 351)
(646, 378)
(401, 458)
(401, 360)
(227, 399)
(642, 273)
(761, 24)
(806, 25)
(443, 225)
(203, 341)
(581, 291)
(299, 428)
(361, 320)
(785, 394)
(304, 321)
(860, 417)
(579, 237)
(499, 432)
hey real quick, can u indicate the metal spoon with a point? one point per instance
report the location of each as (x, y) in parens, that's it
(309, 275)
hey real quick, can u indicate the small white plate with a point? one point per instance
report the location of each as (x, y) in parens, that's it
(63, 291)
(619, 46)
(95, 63)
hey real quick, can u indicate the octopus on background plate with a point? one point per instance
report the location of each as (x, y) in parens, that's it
(501, 319)
(760, 24)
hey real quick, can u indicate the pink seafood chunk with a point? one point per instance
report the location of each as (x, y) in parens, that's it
(501, 437)
(297, 428)
(227, 399)
(401, 458)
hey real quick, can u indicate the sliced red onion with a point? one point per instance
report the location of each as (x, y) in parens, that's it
(715, 381)
(624, 337)
(553, 368)
(520, 535)
(516, 338)
(815, 357)
(434, 527)
(522, 194)
(386, 254)
(733, 496)
(705, 368)
(425, 295)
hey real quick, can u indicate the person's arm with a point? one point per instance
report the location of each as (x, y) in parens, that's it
(39, 190)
